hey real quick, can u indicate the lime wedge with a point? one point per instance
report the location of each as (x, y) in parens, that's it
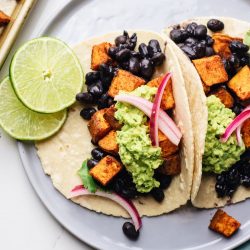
(46, 75)
(23, 123)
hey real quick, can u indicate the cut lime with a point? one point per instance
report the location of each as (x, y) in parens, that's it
(23, 123)
(46, 75)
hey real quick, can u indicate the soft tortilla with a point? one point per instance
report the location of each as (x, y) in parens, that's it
(62, 155)
(203, 189)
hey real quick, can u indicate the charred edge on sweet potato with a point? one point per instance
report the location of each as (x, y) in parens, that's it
(224, 224)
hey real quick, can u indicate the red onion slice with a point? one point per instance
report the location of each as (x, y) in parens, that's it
(126, 204)
(154, 118)
(238, 121)
(238, 136)
(166, 124)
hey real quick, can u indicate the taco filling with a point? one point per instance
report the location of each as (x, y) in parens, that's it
(222, 62)
(120, 131)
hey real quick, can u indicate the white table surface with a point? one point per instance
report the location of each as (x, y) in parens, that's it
(25, 223)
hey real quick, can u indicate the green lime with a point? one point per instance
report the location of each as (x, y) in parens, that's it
(46, 75)
(23, 123)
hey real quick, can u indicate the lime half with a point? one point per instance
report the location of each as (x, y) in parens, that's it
(23, 123)
(46, 75)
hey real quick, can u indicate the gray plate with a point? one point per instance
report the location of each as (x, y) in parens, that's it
(185, 228)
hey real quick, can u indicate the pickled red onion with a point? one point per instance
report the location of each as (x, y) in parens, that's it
(126, 204)
(236, 124)
(166, 124)
(154, 118)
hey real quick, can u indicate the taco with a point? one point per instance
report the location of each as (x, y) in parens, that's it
(214, 59)
(116, 127)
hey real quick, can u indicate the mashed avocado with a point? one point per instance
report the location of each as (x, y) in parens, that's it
(219, 156)
(135, 149)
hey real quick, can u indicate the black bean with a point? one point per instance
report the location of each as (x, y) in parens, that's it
(129, 230)
(164, 180)
(220, 178)
(237, 108)
(191, 41)
(238, 47)
(158, 194)
(106, 75)
(86, 113)
(204, 42)
(209, 51)
(190, 28)
(120, 40)
(143, 49)
(178, 36)
(245, 60)
(132, 41)
(153, 47)
(135, 54)
(200, 31)
(147, 69)
(228, 67)
(124, 65)
(103, 68)
(199, 50)
(215, 25)
(209, 40)
(85, 98)
(91, 163)
(124, 186)
(234, 61)
(97, 154)
(221, 190)
(158, 58)
(125, 33)
(96, 89)
(92, 77)
(245, 181)
(104, 101)
(122, 55)
(233, 177)
(112, 52)
(134, 65)
(189, 51)
(123, 46)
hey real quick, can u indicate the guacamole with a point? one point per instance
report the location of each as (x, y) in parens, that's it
(135, 149)
(219, 156)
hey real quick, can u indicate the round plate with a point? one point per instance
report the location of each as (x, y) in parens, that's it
(186, 228)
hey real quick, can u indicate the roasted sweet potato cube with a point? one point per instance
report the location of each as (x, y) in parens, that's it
(167, 98)
(167, 147)
(240, 83)
(221, 44)
(125, 81)
(224, 96)
(109, 144)
(106, 170)
(100, 55)
(211, 70)
(98, 126)
(171, 165)
(4, 19)
(224, 224)
(110, 118)
(246, 133)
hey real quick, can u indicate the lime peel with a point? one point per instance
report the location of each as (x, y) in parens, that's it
(22, 123)
(46, 75)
